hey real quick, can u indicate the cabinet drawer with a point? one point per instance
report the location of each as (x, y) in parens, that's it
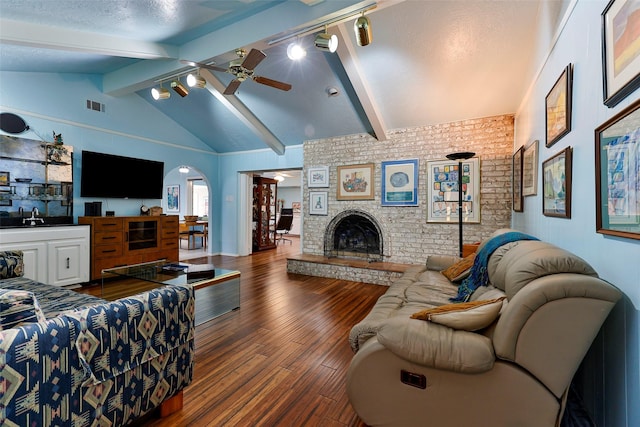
(170, 221)
(171, 233)
(107, 224)
(107, 251)
(106, 237)
(169, 244)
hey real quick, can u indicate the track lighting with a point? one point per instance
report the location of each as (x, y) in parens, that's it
(196, 80)
(327, 42)
(362, 28)
(179, 88)
(296, 52)
(160, 93)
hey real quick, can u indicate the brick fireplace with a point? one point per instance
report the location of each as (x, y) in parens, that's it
(354, 234)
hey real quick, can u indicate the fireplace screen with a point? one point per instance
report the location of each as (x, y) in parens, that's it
(354, 234)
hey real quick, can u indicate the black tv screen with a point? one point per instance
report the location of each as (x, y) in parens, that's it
(111, 176)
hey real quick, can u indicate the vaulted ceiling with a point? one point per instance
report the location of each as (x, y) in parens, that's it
(429, 61)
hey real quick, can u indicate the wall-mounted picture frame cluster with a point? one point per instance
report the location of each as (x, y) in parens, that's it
(617, 144)
(620, 50)
(442, 190)
(400, 183)
(558, 107)
(516, 182)
(556, 184)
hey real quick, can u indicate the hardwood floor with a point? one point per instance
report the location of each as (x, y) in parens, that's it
(282, 358)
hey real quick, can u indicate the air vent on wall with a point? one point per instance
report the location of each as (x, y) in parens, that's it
(95, 106)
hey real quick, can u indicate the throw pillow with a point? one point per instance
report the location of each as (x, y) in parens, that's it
(18, 307)
(467, 316)
(11, 264)
(460, 270)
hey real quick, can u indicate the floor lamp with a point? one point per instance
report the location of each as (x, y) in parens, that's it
(460, 157)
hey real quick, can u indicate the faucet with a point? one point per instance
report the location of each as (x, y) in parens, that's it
(33, 218)
(21, 211)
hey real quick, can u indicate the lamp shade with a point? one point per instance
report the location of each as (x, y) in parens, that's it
(179, 88)
(362, 28)
(196, 80)
(327, 42)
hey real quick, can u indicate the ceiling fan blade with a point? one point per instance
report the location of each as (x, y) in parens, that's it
(273, 83)
(201, 65)
(254, 57)
(232, 87)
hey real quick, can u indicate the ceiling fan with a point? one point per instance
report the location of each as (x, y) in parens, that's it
(242, 68)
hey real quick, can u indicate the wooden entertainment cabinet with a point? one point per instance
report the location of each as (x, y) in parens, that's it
(125, 240)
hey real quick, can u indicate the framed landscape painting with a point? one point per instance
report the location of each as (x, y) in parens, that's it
(556, 184)
(355, 182)
(400, 183)
(558, 108)
(442, 190)
(618, 174)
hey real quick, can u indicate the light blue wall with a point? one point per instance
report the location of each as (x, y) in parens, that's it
(129, 126)
(610, 376)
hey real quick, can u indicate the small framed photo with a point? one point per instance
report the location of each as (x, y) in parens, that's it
(620, 51)
(558, 108)
(355, 182)
(173, 198)
(318, 177)
(556, 185)
(5, 178)
(518, 199)
(530, 170)
(5, 194)
(617, 174)
(318, 203)
(400, 183)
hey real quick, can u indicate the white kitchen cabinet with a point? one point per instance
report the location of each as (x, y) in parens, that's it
(57, 255)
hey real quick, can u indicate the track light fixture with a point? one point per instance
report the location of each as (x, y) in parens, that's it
(362, 28)
(327, 42)
(295, 51)
(179, 88)
(160, 93)
(196, 80)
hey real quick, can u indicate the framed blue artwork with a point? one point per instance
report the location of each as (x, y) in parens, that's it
(400, 183)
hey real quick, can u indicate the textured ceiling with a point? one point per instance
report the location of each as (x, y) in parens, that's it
(429, 62)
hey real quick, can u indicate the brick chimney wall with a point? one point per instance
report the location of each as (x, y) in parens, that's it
(408, 238)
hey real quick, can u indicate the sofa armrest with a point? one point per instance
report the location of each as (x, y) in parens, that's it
(437, 346)
(119, 336)
(441, 262)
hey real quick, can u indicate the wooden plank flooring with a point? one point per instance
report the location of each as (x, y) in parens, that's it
(282, 358)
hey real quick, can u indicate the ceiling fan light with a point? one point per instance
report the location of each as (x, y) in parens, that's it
(326, 42)
(160, 93)
(296, 52)
(362, 28)
(179, 88)
(196, 80)
(183, 169)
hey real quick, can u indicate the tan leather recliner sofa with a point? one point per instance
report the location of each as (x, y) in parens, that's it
(516, 372)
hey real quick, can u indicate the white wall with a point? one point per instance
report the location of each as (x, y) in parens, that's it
(610, 377)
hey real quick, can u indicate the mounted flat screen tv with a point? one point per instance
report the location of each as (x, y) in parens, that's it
(111, 176)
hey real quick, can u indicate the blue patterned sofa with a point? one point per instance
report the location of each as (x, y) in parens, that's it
(68, 359)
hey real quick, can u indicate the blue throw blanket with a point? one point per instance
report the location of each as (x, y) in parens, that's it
(479, 275)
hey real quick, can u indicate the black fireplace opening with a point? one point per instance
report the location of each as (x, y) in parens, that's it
(354, 234)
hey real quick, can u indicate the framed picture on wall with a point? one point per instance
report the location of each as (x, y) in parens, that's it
(620, 50)
(400, 183)
(355, 182)
(517, 180)
(318, 203)
(556, 185)
(558, 108)
(442, 190)
(318, 176)
(5, 177)
(173, 198)
(617, 174)
(530, 169)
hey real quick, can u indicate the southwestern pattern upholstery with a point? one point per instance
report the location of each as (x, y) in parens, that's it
(99, 363)
(11, 264)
